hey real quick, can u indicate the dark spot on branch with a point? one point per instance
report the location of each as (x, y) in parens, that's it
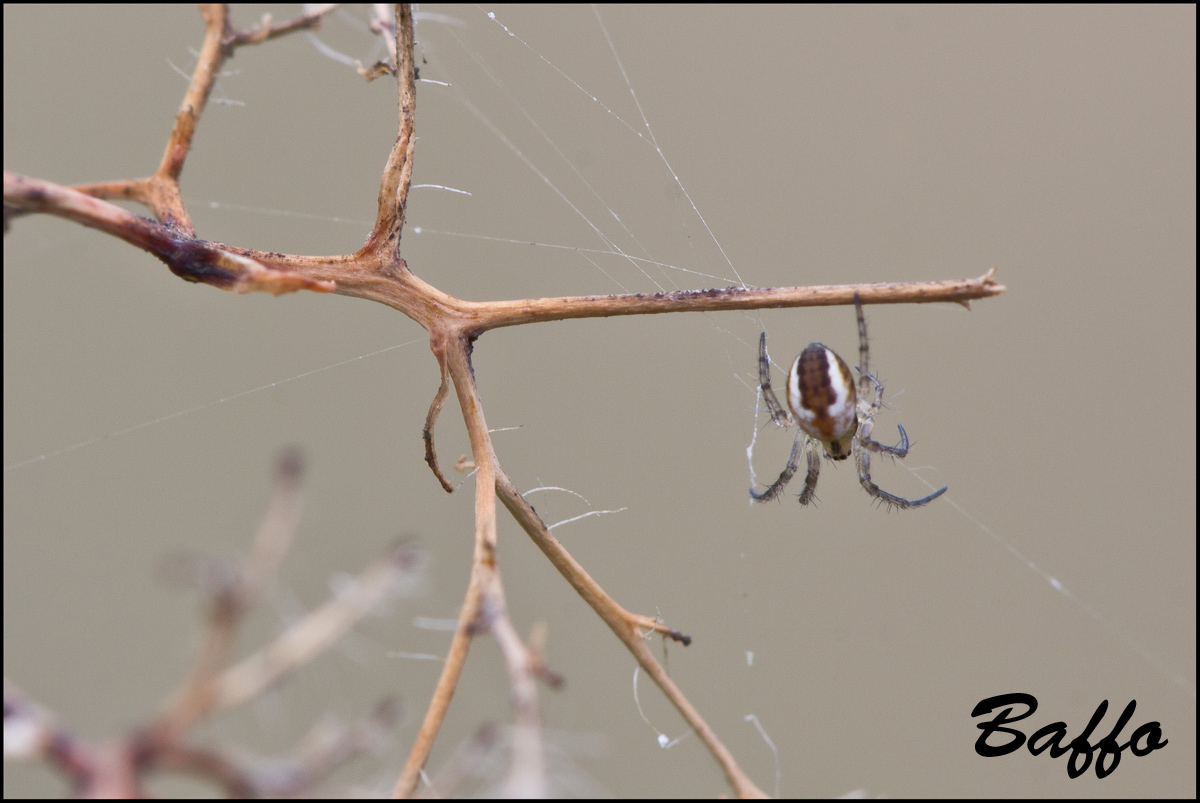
(195, 261)
(675, 635)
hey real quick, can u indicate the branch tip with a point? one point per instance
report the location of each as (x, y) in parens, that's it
(435, 408)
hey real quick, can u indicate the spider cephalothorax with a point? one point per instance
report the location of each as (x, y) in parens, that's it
(824, 403)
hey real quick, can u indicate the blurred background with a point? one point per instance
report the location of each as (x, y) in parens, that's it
(820, 146)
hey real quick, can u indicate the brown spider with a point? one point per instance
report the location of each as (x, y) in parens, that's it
(824, 405)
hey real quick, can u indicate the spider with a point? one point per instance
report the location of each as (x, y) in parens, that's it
(824, 405)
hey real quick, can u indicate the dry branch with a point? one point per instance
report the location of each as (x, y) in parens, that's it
(117, 767)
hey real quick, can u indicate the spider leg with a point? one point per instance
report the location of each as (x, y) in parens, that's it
(869, 409)
(866, 382)
(864, 372)
(788, 472)
(863, 443)
(900, 451)
(779, 415)
(810, 479)
(863, 458)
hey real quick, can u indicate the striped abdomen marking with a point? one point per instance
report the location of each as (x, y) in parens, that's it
(821, 393)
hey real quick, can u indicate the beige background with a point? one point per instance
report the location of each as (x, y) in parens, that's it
(822, 145)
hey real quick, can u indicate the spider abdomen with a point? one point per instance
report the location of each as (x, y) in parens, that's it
(821, 394)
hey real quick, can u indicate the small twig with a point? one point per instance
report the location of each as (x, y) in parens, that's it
(320, 628)
(205, 764)
(397, 174)
(193, 701)
(527, 774)
(496, 314)
(329, 747)
(188, 258)
(627, 628)
(462, 763)
(265, 31)
(537, 654)
(435, 408)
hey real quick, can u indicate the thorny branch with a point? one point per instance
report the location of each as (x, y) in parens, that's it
(377, 272)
